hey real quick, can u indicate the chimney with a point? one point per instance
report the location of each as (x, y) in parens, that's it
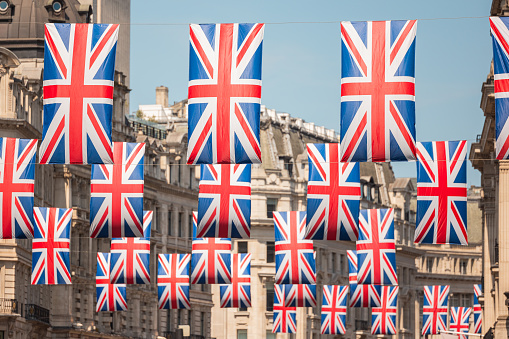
(162, 96)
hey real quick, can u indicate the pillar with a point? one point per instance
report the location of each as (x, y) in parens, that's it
(503, 243)
(488, 257)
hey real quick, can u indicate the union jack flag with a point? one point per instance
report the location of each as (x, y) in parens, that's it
(334, 309)
(334, 192)
(224, 201)
(460, 317)
(17, 168)
(130, 257)
(173, 281)
(383, 318)
(110, 297)
(376, 248)
(378, 91)
(50, 246)
(365, 295)
(352, 266)
(300, 295)
(361, 295)
(285, 318)
(116, 199)
(79, 65)
(441, 193)
(295, 261)
(434, 310)
(225, 85)
(210, 259)
(500, 37)
(477, 309)
(238, 293)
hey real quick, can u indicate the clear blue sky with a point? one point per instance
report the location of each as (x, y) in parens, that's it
(301, 62)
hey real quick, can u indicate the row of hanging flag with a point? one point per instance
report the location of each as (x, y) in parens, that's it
(224, 200)
(225, 60)
(116, 191)
(127, 263)
(435, 310)
(334, 193)
(383, 309)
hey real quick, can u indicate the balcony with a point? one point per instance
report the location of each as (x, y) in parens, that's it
(37, 313)
(8, 306)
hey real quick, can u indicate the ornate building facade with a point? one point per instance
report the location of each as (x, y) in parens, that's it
(28, 311)
(494, 205)
(68, 311)
(280, 183)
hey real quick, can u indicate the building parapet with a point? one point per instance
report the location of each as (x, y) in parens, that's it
(299, 124)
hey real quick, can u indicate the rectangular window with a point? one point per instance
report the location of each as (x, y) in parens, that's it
(191, 174)
(271, 207)
(180, 316)
(270, 251)
(179, 169)
(289, 168)
(155, 219)
(270, 335)
(463, 266)
(241, 334)
(333, 263)
(454, 300)
(202, 324)
(270, 297)
(429, 265)
(169, 223)
(465, 300)
(168, 320)
(242, 247)
(181, 229)
(190, 225)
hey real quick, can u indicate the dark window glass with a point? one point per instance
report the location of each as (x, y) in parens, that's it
(202, 325)
(181, 231)
(168, 321)
(270, 298)
(169, 223)
(289, 168)
(241, 334)
(270, 251)
(271, 206)
(178, 172)
(242, 247)
(155, 223)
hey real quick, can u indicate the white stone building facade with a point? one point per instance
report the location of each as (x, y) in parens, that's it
(280, 183)
(494, 204)
(28, 311)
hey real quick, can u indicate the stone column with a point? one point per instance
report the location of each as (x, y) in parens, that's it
(417, 309)
(164, 219)
(503, 243)
(62, 295)
(400, 320)
(488, 257)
